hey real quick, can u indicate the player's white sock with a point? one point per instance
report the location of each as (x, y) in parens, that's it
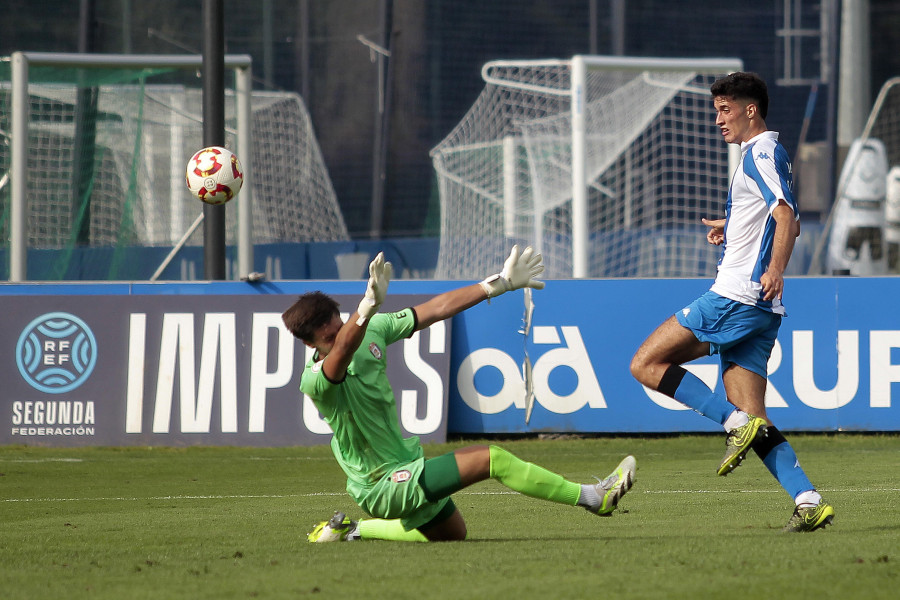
(589, 497)
(810, 498)
(736, 419)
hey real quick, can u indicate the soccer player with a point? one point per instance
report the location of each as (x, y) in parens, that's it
(387, 475)
(739, 317)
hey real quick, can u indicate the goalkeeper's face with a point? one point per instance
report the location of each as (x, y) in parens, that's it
(324, 336)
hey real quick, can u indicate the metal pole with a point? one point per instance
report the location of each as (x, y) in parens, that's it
(580, 232)
(178, 246)
(243, 90)
(834, 21)
(302, 54)
(85, 132)
(213, 130)
(617, 24)
(854, 77)
(268, 26)
(126, 26)
(382, 121)
(18, 221)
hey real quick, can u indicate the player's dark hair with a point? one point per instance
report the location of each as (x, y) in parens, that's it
(744, 86)
(308, 313)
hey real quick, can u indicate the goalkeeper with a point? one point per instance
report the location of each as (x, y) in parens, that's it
(407, 496)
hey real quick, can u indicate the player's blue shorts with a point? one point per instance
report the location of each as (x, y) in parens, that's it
(740, 334)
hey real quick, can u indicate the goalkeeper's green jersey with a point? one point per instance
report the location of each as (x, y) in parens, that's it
(361, 410)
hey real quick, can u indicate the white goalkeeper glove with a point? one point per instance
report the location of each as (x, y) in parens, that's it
(379, 277)
(519, 271)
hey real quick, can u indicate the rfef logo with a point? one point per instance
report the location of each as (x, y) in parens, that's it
(56, 353)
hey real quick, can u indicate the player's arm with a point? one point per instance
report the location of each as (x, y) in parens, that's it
(351, 333)
(519, 271)
(444, 306)
(345, 344)
(786, 231)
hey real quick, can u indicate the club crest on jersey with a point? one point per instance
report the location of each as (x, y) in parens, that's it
(317, 366)
(375, 350)
(400, 476)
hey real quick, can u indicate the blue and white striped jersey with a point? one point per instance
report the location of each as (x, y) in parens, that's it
(760, 181)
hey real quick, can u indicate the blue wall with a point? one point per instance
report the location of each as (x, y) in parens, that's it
(836, 365)
(412, 258)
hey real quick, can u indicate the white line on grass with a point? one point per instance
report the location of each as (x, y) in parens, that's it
(40, 460)
(826, 490)
(181, 497)
(465, 493)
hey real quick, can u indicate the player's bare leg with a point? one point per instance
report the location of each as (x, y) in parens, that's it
(657, 365)
(747, 391)
(669, 344)
(452, 529)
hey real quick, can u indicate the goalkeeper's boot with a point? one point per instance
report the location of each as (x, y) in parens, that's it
(611, 489)
(340, 528)
(810, 517)
(738, 443)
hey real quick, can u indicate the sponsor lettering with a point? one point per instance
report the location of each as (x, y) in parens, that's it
(53, 412)
(53, 417)
(51, 431)
(572, 355)
(197, 366)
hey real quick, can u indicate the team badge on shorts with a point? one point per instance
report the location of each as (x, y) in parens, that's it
(375, 350)
(401, 476)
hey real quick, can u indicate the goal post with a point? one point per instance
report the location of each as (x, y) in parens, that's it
(20, 113)
(605, 151)
(93, 149)
(580, 66)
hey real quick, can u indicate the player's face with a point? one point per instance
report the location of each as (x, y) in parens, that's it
(733, 118)
(323, 340)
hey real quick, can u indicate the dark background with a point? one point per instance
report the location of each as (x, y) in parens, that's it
(438, 48)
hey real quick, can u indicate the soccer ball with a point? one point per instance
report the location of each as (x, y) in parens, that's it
(214, 175)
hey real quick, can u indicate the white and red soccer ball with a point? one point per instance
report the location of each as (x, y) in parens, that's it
(214, 175)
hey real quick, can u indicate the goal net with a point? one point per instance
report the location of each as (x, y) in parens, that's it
(105, 153)
(605, 164)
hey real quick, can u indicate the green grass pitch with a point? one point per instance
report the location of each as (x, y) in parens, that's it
(231, 522)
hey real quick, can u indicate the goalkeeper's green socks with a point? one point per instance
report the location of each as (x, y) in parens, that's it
(388, 529)
(532, 480)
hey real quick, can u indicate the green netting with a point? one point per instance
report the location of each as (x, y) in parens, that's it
(100, 156)
(87, 76)
(106, 153)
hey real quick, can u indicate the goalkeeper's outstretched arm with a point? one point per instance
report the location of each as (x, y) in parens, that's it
(350, 335)
(520, 270)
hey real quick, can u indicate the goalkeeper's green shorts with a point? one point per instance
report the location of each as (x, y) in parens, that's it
(399, 495)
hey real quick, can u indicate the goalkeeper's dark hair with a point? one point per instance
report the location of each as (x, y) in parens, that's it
(308, 313)
(744, 86)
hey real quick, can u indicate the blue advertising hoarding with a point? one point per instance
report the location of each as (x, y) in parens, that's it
(181, 369)
(836, 365)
